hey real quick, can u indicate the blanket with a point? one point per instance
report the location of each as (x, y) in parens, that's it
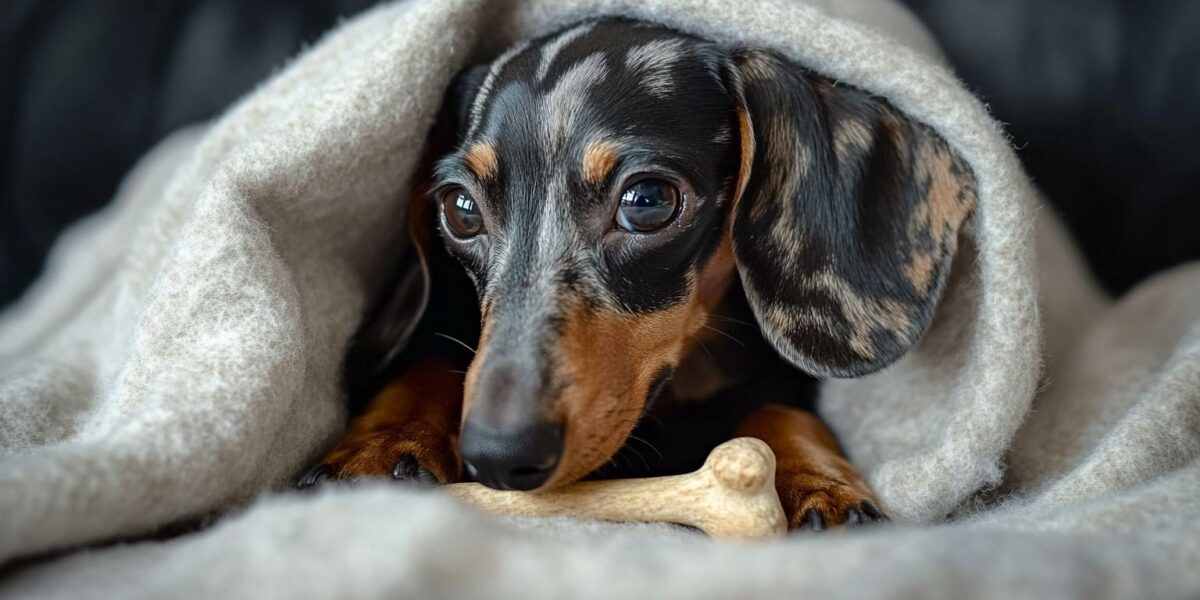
(179, 362)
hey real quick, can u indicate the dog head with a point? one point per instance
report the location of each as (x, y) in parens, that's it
(611, 182)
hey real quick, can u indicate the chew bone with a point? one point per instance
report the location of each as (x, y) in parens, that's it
(731, 496)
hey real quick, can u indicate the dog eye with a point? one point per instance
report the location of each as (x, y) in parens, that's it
(462, 213)
(647, 205)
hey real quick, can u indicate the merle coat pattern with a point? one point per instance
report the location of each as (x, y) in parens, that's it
(668, 239)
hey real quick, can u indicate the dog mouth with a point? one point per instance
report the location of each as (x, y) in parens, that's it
(615, 455)
(600, 461)
(600, 375)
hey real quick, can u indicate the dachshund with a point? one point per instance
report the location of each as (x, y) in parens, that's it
(670, 242)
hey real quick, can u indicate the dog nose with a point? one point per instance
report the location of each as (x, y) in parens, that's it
(516, 459)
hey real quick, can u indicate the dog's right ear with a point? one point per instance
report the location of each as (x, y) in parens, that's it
(460, 98)
(391, 322)
(847, 220)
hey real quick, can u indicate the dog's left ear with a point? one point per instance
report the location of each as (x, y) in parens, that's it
(846, 220)
(390, 324)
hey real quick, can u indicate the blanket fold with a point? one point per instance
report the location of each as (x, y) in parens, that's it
(181, 356)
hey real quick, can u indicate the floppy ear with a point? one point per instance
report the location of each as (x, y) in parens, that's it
(847, 221)
(392, 321)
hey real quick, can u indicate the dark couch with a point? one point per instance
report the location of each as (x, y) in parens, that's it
(1102, 98)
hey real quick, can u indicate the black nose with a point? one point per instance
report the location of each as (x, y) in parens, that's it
(517, 459)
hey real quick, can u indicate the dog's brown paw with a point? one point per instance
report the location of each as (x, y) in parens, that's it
(385, 454)
(814, 503)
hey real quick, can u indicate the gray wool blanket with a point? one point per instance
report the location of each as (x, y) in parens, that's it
(180, 358)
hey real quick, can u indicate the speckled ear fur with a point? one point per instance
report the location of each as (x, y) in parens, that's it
(849, 219)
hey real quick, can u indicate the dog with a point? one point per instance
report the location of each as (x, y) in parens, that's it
(670, 242)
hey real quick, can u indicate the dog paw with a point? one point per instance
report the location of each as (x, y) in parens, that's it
(384, 455)
(815, 503)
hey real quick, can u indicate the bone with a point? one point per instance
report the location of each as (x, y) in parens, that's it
(731, 497)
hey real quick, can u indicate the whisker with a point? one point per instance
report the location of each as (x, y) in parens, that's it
(709, 327)
(454, 339)
(648, 444)
(618, 464)
(456, 371)
(645, 462)
(731, 320)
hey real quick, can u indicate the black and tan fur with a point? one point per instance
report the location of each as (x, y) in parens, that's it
(817, 229)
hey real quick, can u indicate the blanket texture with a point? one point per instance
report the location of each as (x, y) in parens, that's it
(180, 357)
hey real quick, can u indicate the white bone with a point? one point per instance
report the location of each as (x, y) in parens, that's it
(731, 496)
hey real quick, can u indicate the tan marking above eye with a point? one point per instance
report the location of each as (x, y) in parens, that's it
(482, 160)
(599, 158)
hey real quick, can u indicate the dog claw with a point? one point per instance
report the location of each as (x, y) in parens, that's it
(813, 520)
(872, 512)
(853, 517)
(314, 476)
(408, 469)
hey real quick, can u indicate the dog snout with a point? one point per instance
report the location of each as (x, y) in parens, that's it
(509, 441)
(521, 458)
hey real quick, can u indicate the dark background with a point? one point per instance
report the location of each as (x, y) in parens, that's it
(1101, 97)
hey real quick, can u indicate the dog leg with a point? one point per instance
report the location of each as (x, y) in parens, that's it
(409, 431)
(817, 486)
